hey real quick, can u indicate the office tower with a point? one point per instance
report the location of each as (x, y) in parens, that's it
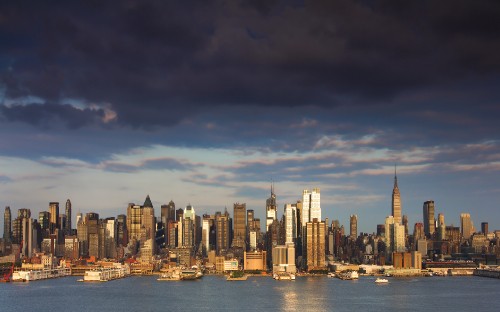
(7, 224)
(441, 229)
(353, 229)
(250, 220)
(93, 223)
(290, 216)
(311, 205)
(121, 230)
(68, 217)
(239, 225)
(54, 216)
(44, 221)
(207, 227)
(110, 238)
(396, 200)
(484, 228)
(429, 222)
(148, 219)
(222, 228)
(394, 236)
(405, 224)
(134, 221)
(418, 231)
(271, 208)
(171, 211)
(380, 229)
(79, 218)
(315, 245)
(467, 227)
(179, 213)
(27, 237)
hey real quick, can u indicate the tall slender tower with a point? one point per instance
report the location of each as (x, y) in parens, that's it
(396, 200)
(353, 229)
(271, 208)
(54, 216)
(7, 224)
(429, 222)
(68, 217)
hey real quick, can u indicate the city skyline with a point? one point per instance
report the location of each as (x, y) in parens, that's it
(208, 103)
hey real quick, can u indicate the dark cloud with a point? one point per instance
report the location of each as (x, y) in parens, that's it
(151, 164)
(158, 62)
(50, 115)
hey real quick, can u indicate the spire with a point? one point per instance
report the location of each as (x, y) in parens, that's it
(395, 176)
(147, 202)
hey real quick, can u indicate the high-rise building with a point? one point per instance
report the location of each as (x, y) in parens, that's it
(148, 219)
(54, 216)
(396, 201)
(429, 222)
(311, 205)
(121, 230)
(110, 238)
(290, 215)
(222, 231)
(271, 208)
(467, 227)
(484, 228)
(394, 236)
(441, 229)
(315, 244)
(68, 217)
(418, 231)
(134, 221)
(353, 226)
(7, 224)
(239, 225)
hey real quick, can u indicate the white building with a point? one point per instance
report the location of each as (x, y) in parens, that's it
(311, 205)
(290, 223)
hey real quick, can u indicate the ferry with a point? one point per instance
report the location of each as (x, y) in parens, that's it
(170, 276)
(350, 275)
(381, 280)
(283, 276)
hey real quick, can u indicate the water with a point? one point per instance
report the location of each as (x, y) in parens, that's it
(214, 293)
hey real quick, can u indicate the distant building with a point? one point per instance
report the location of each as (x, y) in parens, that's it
(222, 231)
(353, 226)
(467, 227)
(7, 224)
(429, 222)
(315, 245)
(396, 201)
(68, 217)
(54, 216)
(311, 205)
(239, 225)
(254, 261)
(284, 258)
(441, 228)
(290, 215)
(271, 209)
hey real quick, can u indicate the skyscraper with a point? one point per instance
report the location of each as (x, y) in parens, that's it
(54, 216)
(290, 223)
(68, 217)
(315, 244)
(311, 205)
(441, 230)
(353, 226)
(429, 222)
(7, 224)
(240, 233)
(467, 227)
(222, 228)
(394, 236)
(396, 200)
(271, 208)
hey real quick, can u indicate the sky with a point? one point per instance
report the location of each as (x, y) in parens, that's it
(207, 102)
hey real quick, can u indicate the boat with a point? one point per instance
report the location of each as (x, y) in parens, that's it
(331, 274)
(349, 275)
(381, 280)
(284, 276)
(170, 276)
(189, 275)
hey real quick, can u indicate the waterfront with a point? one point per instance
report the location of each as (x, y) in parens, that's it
(257, 293)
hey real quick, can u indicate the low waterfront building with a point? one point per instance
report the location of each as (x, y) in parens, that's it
(254, 261)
